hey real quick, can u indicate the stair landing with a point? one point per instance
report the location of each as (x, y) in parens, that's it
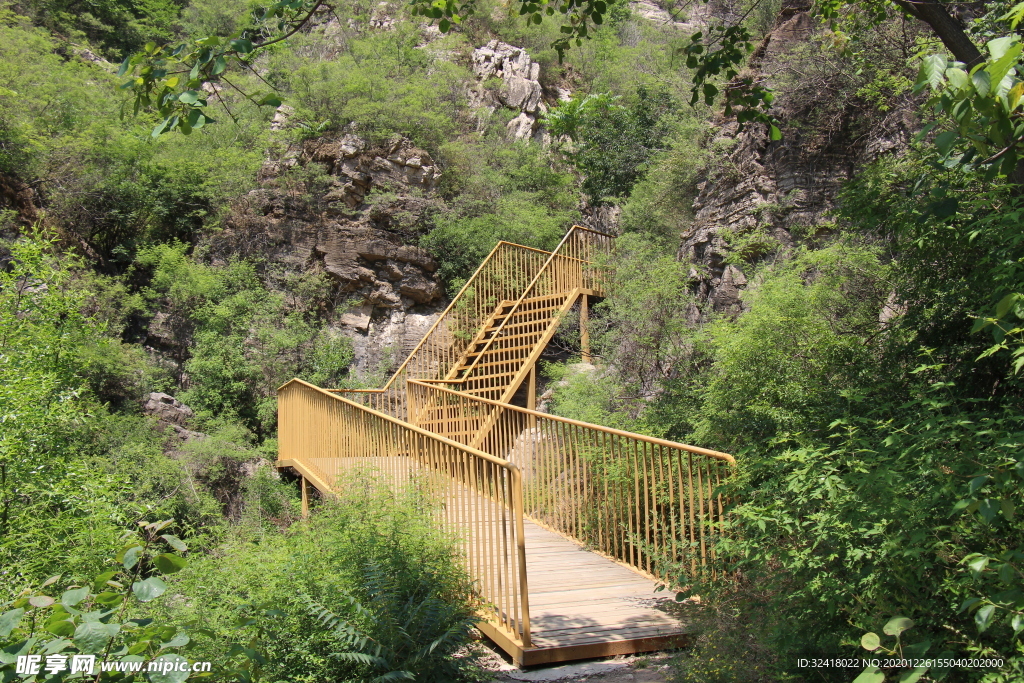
(584, 605)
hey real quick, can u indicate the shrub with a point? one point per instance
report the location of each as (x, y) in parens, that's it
(343, 582)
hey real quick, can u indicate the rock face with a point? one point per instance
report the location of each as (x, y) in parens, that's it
(171, 413)
(388, 339)
(520, 88)
(760, 196)
(19, 197)
(340, 206)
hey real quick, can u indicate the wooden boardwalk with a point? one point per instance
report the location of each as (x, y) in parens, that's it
(585, 605)
(544, 596)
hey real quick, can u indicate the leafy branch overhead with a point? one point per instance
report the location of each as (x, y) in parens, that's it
(984, 103)
(178, 81)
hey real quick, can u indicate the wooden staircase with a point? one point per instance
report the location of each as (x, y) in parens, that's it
(507, 348)
(503, 473)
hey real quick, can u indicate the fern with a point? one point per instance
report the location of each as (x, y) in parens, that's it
(397, 631)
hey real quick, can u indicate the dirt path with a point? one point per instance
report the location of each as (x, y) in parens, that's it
(632, 669)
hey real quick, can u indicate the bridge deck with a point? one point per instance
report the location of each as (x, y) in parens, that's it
(584, 605)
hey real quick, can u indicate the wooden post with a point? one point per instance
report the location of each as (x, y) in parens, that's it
(584, 331)
(305, 498)
(531, 395)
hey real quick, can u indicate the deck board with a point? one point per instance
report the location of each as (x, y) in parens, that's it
(579, 598)
(582, 604)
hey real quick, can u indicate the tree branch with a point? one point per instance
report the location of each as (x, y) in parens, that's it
(948, 29)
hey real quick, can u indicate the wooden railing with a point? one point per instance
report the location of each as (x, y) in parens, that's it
(647, 502)
(510, 273)
(322, 435)
(570, 267)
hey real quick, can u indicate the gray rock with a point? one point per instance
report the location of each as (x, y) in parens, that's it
(346, 232)
(168, 409)
(520, 90)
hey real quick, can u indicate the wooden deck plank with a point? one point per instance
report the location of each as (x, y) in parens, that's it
(582, 603)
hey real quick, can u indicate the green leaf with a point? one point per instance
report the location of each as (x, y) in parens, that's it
(774, 134)
(109, 598)
(173, 541)
(169, 563)
(188, 97)
(100, 582)
(92, 636)
(271, 100)
(241, 45)
(131, 556)
(958, 78)
(170, 676)
(988, 509)
(124, 66)
(897, 625)
(444, 25)
(978, 565)
(982, 81)
(913, 675)
(41, 601)
(149, 589)
(73, 597)
(61, 627)
(180, 639)
(998, 47)
(944, 141)
(219, 65)
(983, 617)
(1005, 304)
(870, 642)
(9, 620)
(872, 674)
(917, 649)
(931, 71)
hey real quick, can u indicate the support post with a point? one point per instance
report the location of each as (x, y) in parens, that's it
(584, 329)
(531, 395)
(305, 498)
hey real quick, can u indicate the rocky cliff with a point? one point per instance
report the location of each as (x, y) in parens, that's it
(760, 197)
(344, 207)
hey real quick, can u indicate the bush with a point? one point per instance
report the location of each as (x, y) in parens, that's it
(499, 191)
(371, 564)
(612, 143)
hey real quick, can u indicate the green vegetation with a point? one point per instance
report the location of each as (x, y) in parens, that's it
(870, 387)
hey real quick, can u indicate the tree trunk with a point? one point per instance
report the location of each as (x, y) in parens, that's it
(948, 29)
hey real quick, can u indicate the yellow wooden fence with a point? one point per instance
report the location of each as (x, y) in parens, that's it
(647, 502)
(480, 496)
(511, 274)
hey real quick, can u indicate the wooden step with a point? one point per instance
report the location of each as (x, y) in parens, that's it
(506, 337)
(491, 350)
(545, 321)
(474, 378)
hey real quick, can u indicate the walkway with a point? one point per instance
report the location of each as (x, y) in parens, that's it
(584, 605)
(446, 420)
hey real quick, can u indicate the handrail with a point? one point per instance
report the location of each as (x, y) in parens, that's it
(481, 492)
(718, 455)
(437, 354)
(496, 279)
(644, 501)
(529, 288)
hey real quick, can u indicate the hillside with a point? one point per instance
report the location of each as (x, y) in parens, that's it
(817, 271)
